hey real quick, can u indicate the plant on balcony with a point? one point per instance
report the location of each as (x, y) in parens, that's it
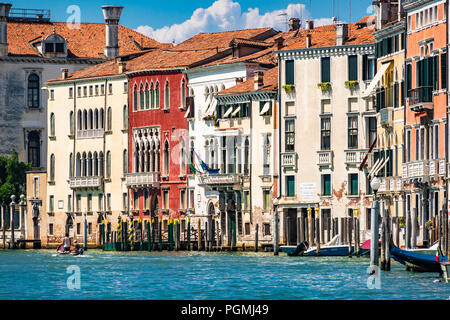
(429, 224)
(351, 84)
(324, 86)
(288, 88)
(402, 222)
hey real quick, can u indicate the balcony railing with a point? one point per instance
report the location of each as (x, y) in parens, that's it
(220, 179)
(421, 98)
(325, 158)
(86, 182)
(354, 157)
(143, 179)
(415, 169)
(289, 160)
(442, 167)
(91, 133)
(390, 184)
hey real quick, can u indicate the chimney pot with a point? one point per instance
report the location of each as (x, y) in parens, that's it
(309, 25)
(122, 66)
(258, 79)
(279, 43)
(4, 13)
(112, 17)
(308, 40)
(64, 73)
(294, 24)
(341, 33)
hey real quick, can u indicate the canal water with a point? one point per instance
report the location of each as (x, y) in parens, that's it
(42, 274)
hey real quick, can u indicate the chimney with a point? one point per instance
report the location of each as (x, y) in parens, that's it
(341, 33)
(239, 80)
(112, 17)
(309, 24)
(4, 13)
(122, 66)
(294, 24)
(64, 74)
(382, 9)
(258, 79)
(308, 40)
(279, 43)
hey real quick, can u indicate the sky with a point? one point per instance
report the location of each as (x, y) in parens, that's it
(178, 20)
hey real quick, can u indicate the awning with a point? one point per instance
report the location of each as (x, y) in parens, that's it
(226, 114)
(187, 112)
(207, 103)
(212, 108)
(236, 111)
(376, 79)
(265, 108)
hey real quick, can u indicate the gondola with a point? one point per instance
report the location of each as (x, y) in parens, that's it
(420, 262)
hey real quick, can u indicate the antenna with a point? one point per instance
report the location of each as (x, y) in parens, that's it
(309, 11)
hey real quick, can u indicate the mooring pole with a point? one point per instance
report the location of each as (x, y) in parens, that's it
(3, 211)
(13, 208)
(387, 259)
(199, 235)
(256, 238)
(189, 234)
(317, 236)
(375, 184)
(149, 241)
(414, 229)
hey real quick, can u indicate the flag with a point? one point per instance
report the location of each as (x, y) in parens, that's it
(190, 163)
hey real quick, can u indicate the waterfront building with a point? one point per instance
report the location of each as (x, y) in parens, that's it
(388, 90)
(324, 129)
(247, 114)
(424, 171)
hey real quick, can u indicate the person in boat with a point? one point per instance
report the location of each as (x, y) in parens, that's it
(67, 243)
(77, 248)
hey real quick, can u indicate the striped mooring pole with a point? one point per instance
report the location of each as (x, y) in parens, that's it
(149, 243)
(132, 232)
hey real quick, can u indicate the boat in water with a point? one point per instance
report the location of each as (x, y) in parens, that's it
(418, 261)
(72, 250)
(334, 248)
(445, 266)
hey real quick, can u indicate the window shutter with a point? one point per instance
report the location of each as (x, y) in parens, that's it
(365, 66)
(444, 71)
(289, 71)
(395, 95)
(352, 68)
(325, 69)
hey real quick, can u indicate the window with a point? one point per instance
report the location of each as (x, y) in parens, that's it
(146, 200)
(96, 90)
(70, 93)
(266, 155)
(266, 229)
(325, 69)
(52, 167)
(417, 144)
(408, 146)
(52, 124)
(33, 91)
(71, 123)
(436, 141)
(125, 161)
(100, 201)
(125, 87)
(246, 200)
(157, 96)
(90, 228)
(247, 228)
(167, 96)
(102, 89)
(91, 91)
(326, 185)
(79, 92)
(182, 199)
(108, 201)
(368, 68)
(353, 68)
(51, 203)
(266, 199)
(108, 164)
(109, 119)
(372, 130)
(290, 72)
(165, 199)
(353, 132)
(290, 186)
(125, 117)
(125, 201)
(353, 184)
(50, 229)
(147, 97)
(290, 135)
(265, 108)
(110, 88)
(52, 94)
(183, 94)
(141, 98)
(325, 134)
(78, 228)
(166, 159)
(443, 70)
(89, 202)
(135, 99)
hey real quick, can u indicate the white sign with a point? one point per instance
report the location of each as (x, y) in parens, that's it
(308, 191)
(61, 204)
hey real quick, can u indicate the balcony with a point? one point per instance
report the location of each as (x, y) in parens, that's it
(390, 184)
(354, 157)
(91, 133)
(421, 99)
(325, 158)
(86, 182)
(143, 180)
(289, 160)
(442, 167)
(386, 116)
(415, 169)
(220, 179)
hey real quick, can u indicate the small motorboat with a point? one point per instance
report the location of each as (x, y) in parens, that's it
(72, 250)
(420, 262)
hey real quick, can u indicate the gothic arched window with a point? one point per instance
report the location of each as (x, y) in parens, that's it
(34, 149)
(33, 91)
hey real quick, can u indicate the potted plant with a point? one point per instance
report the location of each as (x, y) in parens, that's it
(402, 222)
(288, 87)
(351, 84)
(324, 86)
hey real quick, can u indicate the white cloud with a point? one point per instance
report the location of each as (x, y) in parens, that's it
(225, 15)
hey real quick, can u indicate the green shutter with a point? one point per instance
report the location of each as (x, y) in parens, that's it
(352, 68)
(395, 95)
(326, 184)
(354, 183)
(325, 69)
(444, 71)
(135, 101)
(290, 72)
(290, 182)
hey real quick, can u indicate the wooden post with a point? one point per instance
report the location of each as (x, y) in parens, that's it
(298, 230)
(383, 242)
(12, 211)
(397, 231)
(408, 230)
(4, 226)
(149, 241)
(287, 228)
(199, 235)
(310, 235)
(349, 231)
(213, 233)
(160, 235)
(341, 230)
(153, 233)
(317, 236)
(189, 234)
(302, 227)
(355, 236)
(313, 229)
(333, 222)
(414, 229)
(233, 233)
(321, 226)
(329, 228)
(141, 236)
(358, 237)
(387, 258)
(206, 235)
(256, 238)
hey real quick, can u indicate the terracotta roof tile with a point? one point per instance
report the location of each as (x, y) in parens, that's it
(270, 79)
(222, 39)
(86, 42)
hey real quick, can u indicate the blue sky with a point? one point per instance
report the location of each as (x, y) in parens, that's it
(177, 20)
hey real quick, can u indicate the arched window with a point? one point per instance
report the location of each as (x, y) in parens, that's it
(125, 161)
(125, 117)
(85, 120)
(152, 96)
(182, 158)
(166, 158)
(96, 118)
(141, 97)
(100, 163)
(90, 170)
(135, 98)
(183, 94)
(211, 211)
(71, 165)
(71, 124)
(109, 119)
(78, 165)
(34, 149)
(91, 120)
(167, 96)
(157, 98)
(136, 159)
(147, 97)
(79, 121)
(102, 119)
(246, 156)
(52, 124)
(52, 167)
(33, 91)
(95, 159)
(84, 165)
(108, 164)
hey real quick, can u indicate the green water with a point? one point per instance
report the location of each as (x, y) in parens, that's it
(42, 274)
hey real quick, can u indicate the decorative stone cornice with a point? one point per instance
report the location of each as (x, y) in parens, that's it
(246, 97)
(398, 27)
(308, 53)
